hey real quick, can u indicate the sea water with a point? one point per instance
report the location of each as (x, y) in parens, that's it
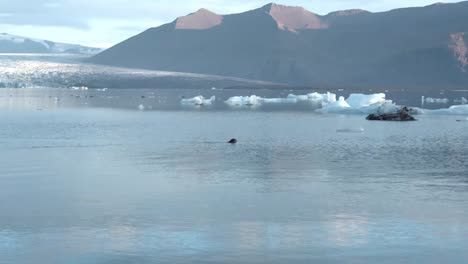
(96, 180)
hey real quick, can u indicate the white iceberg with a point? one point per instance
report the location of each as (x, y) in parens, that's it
(360, 104)
(298, 97)
(338, 107)
(430, 100)
(315, 97)
(453, 110)
(198, 100)
(462, 101)
(365, 100)
(386, 107)
(288, 100)
(322, 98)
(244, 100)
(79, 88)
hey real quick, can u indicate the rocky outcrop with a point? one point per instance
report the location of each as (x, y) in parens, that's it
(202, 19)
(294, 18)
(459, 48)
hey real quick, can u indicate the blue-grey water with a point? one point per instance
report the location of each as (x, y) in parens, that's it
(94, 180)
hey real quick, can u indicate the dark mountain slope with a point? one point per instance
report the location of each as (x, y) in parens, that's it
(403, 47)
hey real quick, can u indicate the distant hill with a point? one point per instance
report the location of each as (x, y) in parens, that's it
(17, 44)
(424, 46)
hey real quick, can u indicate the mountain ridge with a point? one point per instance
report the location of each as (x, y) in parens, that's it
(402, 47)
(19, 44)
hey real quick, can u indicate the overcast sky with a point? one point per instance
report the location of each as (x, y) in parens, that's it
(104, 23)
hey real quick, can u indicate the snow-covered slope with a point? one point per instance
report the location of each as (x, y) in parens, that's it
(17, 44)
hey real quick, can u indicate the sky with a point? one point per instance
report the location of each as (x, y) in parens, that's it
(103, 23)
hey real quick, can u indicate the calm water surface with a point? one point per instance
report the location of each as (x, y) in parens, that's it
(86, 185)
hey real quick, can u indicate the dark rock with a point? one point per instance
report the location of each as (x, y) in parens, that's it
(391, 117)
(232, 141)
(400, 115)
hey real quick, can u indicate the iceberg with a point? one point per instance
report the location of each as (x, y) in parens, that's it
(360, 104)
(79, 88)
(315, 97)
(298, 97)
(338, 107)
(453, 110)
(365, 100)
(462, 101)
(288, 100)
(198, 100)
(386, 107)
(322, 98)
(244, 100)
(430, 100)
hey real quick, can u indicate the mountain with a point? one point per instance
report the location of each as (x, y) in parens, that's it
(408, 47)
(17, 44)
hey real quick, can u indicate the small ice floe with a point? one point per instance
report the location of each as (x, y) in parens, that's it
(141, 107)
(318, 98)
(79, 88)
(462, 120)
(366, 100)
(102, 89)
(198, 101)
(287, 100)
(350, 130)
(430, 100)
(361, 104)
(462, 101)
(252, 100)
(452, 110)
(340, 106)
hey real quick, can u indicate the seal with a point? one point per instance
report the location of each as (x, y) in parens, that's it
(232, 141)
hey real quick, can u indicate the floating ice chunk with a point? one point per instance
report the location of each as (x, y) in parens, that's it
(315, 97)
(102, 90)
(358, 101)
(430, 100)
(462, 101)
(298, 97)
(198, 100)
(141, 107)
(323, 98)
(361, 104)
(81, 88)
(288, 100)
(386, 107)
(350, 130)
(244, 100)
(453, 110)
(340, 106)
